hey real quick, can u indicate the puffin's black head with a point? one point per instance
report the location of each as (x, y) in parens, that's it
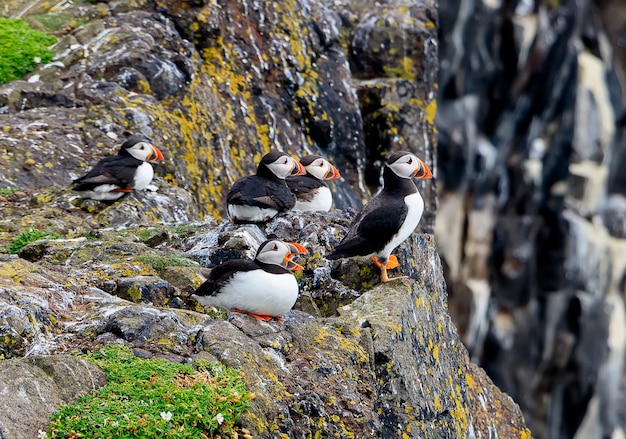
(406, 165)
(319, 167)
(141, 148)
(277, 164)
(276, 252)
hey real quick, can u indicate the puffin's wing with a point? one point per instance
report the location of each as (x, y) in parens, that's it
(117, 170)
(260, 192)
(246, 191)
(282, 197)
(372, 228)
(221, 275)
(303, 184)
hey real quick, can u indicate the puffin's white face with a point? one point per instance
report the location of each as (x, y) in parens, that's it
(284, 166)
(145, 151)
(322, 169)
(409, 166)
(274, 252)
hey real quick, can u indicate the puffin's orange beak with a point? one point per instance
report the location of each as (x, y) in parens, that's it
(298, 170)
(423, 171)
(155, 155)
(294, 247)
(298, 249)
(290, 264)
(332, 174)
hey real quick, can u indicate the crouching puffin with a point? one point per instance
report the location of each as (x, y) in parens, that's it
(389, 217)
(115, 176)
(312, 193)
(260, 197)
(263, 288)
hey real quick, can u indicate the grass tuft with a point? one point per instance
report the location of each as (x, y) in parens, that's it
(153, 398)
(28, 236)
(21, 49)
(8, 190)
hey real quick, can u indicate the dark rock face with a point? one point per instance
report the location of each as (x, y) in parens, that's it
(217, 86)
(530, 224)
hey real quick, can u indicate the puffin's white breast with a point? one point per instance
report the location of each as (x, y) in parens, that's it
(143, 176)
(103, 192)
(250, 213)
(415, 205)
(258, 292)
(322, 201)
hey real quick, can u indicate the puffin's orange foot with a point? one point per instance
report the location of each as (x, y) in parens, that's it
(392, 262)
(121, 189)
(258, 316)
(384, 278)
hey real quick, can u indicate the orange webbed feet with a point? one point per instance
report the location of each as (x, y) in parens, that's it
(261, 317)
(392, 262)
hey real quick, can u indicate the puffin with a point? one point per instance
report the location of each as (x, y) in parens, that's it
(389, 217)
(113, 177)
(311, 191)
(263, 288)
(259, 198)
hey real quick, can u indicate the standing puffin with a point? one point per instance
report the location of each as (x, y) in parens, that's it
(115, 176)
(312, 193)
(260, 197)
(389, 217)
(263, 288)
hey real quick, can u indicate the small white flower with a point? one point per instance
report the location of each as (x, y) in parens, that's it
(37, 59)
(219, 418)
(42, 435)
(167, 416)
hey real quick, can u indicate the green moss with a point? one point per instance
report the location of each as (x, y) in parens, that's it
(155, 398)
(21, 49)
(8, 190)
(28, 236)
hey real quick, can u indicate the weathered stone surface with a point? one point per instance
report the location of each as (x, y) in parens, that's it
(32, 388)
(390, 359)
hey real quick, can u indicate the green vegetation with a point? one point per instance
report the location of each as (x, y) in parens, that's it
(8, 190)
(28, 236)
(159, 263)
(155, 399)
(21, 49)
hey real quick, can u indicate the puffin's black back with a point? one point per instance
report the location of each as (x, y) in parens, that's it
(380, 219)
(304, 184)
(263, 189)
(223, 273)
(118, 170)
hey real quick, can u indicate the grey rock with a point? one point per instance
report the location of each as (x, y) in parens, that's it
(36, 386)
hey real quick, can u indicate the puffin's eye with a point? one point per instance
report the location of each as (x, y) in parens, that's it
(275, 247)
(410, 162)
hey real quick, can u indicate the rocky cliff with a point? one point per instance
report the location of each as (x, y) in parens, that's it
(216, 86)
